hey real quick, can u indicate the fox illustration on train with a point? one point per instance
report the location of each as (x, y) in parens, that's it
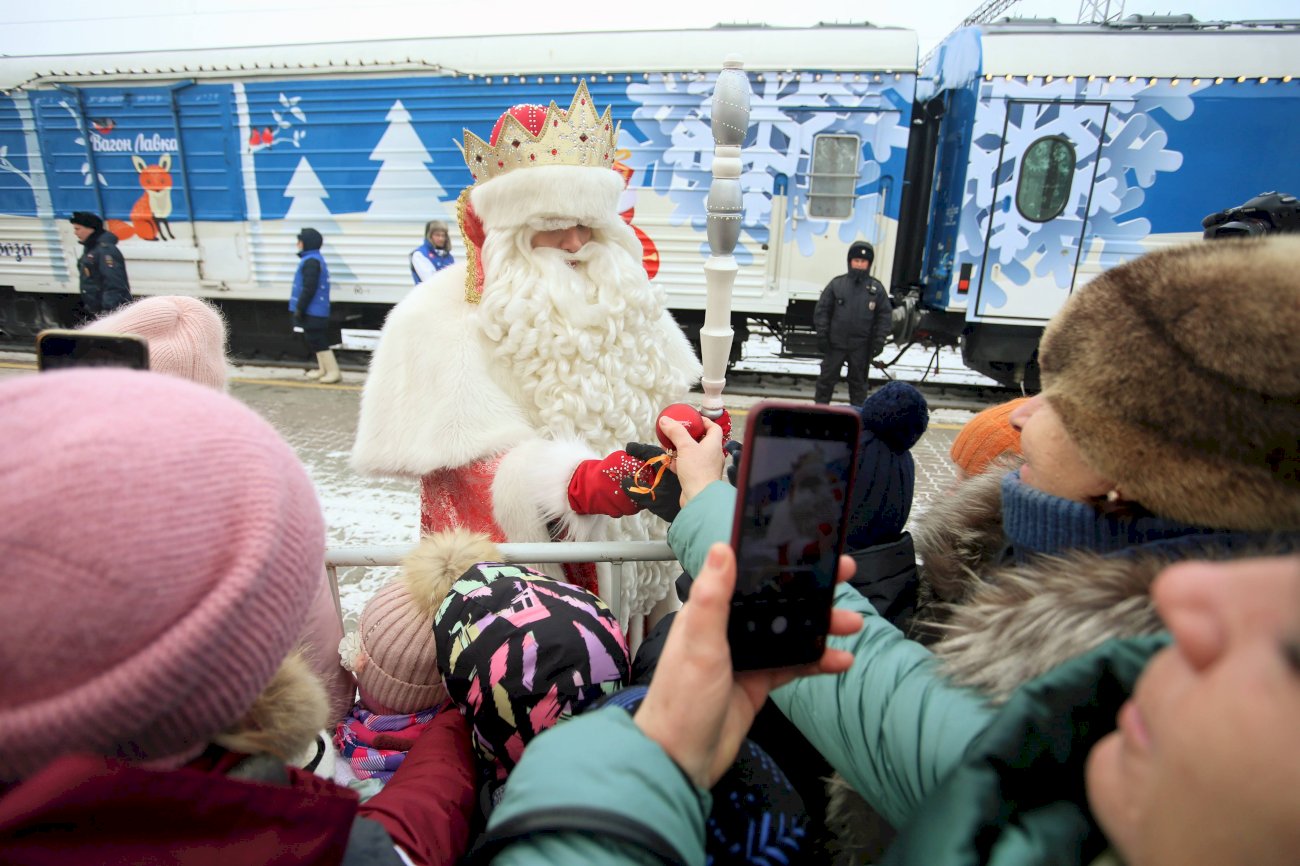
(151, 211)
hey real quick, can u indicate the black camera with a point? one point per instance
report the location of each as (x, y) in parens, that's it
(1266, 213)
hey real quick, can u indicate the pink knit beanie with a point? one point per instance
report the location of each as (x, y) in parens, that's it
(392, 652)
(187, 337)
(394, 656)
(160, 546)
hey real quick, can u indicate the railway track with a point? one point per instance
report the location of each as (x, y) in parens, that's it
(799, 385)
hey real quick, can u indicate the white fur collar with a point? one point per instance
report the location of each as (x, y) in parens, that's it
(429, 402)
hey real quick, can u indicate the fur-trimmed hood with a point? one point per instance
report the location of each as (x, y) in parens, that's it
(1002, 623)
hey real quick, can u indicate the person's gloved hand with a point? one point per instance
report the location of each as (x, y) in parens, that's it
(732, 447)
(653, 488)
(299, 324)
(823, 343)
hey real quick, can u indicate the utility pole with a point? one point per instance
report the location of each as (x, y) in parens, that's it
(1100, 11)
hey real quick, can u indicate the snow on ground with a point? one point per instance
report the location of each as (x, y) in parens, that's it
(761, 355)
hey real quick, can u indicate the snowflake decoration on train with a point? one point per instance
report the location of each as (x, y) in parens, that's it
(786, 115)
(1131, 154)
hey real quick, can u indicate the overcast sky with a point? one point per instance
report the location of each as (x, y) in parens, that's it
(80, 26)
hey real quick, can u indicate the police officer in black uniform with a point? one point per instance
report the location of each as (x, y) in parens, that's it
(853, 321)
(102, 270)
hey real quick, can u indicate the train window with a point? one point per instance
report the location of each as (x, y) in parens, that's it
(1046, 173)
(834, 176)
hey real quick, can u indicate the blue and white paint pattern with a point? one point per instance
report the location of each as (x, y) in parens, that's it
(786, 115)
(1131, 154)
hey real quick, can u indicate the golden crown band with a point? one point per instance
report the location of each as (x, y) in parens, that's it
(577, 137)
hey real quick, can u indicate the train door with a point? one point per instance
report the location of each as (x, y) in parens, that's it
(1046, 170)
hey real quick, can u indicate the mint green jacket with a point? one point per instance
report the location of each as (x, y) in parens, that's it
(931, 757)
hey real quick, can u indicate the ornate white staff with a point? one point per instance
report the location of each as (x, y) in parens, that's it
(730, 123)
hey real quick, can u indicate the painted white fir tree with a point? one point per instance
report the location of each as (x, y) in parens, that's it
(307, 208)
(405, 189)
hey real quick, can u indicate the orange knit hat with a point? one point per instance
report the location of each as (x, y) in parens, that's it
(986, 437)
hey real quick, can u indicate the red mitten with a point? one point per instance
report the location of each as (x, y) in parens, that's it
(596, 485)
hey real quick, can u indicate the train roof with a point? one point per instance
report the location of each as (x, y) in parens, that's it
(1146, 46)
(832, 48)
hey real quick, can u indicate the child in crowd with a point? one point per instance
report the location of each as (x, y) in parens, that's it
(393, 656)
(187, 339)
(165, 550)
(520, 652)
(186, 336)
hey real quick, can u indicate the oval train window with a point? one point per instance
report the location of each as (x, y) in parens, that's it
(1046, 174)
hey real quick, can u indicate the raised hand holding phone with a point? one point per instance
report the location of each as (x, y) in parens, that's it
(698, 708)
(796, 472)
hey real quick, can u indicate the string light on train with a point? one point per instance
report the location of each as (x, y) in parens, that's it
(1174, 81)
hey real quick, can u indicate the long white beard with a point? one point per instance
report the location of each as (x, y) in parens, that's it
(583, 342)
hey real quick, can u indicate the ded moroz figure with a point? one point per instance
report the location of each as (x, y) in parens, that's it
(511, 383)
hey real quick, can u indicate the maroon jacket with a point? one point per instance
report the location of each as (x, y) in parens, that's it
(225, 809)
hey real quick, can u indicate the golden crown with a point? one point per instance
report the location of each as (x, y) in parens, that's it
(575, 137)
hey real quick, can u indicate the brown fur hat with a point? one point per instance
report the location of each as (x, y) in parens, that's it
(1177, 376)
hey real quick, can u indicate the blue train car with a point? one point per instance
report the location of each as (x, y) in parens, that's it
(207, 163)
(1043, 154)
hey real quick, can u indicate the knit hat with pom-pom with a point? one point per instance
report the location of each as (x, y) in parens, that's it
(392, 652)
(893, 419)
(186, 337)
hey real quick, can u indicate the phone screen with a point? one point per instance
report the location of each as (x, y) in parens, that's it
(796, 472)
(57, 350)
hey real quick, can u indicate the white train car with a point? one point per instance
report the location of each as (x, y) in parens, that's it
(207, 163)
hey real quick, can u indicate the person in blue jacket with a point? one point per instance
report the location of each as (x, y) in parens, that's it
(310, 304)
(433, 254)
(1152, 751)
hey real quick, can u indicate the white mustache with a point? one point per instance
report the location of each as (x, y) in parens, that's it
(585, 253)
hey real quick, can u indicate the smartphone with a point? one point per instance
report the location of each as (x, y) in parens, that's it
(57, 349)
(796, 471)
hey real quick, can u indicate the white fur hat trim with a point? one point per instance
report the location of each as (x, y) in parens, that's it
(549, 194)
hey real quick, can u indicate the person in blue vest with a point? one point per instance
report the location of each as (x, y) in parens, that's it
(310, 304)
(434, 254)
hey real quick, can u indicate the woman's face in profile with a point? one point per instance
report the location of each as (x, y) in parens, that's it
(1053, 462)
(1205, 764)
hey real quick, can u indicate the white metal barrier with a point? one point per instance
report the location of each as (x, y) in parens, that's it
(616, 553)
